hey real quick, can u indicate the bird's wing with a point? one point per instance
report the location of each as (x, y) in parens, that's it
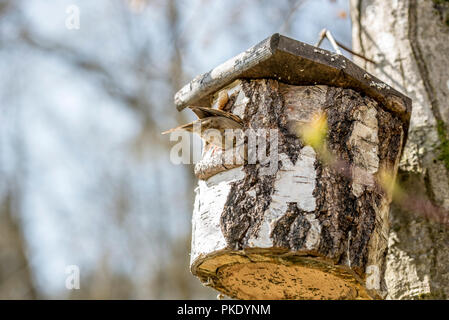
(204, 112)
(199, 112)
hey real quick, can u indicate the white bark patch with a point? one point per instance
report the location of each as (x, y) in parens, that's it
(314, 234)
(294, 183)
(405, 276)
(363, 144)
(210, 199)
(240, 104)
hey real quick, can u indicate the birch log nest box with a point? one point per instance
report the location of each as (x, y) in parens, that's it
(315, 226)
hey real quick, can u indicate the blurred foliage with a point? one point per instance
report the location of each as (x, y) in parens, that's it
(314, 132)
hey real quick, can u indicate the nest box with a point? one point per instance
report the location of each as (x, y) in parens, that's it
(316, 225)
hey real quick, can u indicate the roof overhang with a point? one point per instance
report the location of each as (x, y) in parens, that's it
(292, 62)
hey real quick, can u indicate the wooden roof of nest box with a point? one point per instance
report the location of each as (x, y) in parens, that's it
(292, 62)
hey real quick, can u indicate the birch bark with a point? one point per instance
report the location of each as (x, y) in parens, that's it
(409, 41)
(313, 226)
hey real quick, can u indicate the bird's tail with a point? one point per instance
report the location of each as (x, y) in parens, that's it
(186, 127)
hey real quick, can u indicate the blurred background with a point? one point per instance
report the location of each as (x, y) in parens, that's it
(85, 175)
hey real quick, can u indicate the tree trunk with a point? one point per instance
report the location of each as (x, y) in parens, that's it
(409, 41)
(313, 226)
(15, 275)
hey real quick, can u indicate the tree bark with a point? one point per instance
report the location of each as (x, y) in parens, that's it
(313, 227)
(409, 41)
(16, 280)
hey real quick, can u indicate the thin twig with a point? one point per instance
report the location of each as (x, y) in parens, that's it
(336, 45)
(354, 53)
(332, 41)
(321, 38)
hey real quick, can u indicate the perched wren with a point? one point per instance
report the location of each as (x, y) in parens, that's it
(209, 118)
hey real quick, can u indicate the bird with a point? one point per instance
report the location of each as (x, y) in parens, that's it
(222, 99)
(209, 118)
